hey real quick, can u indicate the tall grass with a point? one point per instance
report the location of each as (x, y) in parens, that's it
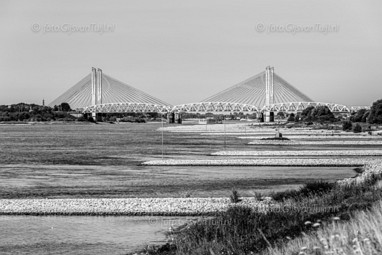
(311, 188)
(243, 230)
(361, 235)
(234, 197)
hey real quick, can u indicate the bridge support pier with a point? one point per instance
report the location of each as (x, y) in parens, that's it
(178, 118)
(269, 117)
(174, 118)
(171, 117)
(96, 116)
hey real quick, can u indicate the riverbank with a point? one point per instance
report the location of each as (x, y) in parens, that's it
(298, 162)
(125, 206)
(298, 153)
(316, 206)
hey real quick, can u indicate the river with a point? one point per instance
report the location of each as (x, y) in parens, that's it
(74, 161)
(82, 235)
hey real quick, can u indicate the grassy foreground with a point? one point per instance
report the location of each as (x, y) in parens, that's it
(361, 235)
(312, 220)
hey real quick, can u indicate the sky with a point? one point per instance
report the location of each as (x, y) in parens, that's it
(185, 51)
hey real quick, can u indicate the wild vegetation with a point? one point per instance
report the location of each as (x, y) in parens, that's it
(361, 235)
(244, 230)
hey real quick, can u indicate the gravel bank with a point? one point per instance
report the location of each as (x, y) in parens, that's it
(323, 137)
(328, 153)
(289, 142)
(125, 206)
(359, 161)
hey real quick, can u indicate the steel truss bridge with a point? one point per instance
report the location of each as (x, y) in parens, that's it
(216, 107)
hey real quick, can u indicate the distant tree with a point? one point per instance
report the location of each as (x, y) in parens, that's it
(154, 115)
(24, 116)
(357, 128)
(291, 117)
(318, 113)
(357, 116)
(297, 118)
(347, 125)
(306, 114)
(280, 115)
(365, 117)
(323, 113)
(375, 116)
(65, 107)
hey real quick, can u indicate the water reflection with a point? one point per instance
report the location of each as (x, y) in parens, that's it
(82, 235)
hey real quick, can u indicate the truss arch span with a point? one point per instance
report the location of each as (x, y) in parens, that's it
(300, 106)
(215, 107)
(126, 107)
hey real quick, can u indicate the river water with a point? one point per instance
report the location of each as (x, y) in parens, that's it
(48, 161)
(82, 235)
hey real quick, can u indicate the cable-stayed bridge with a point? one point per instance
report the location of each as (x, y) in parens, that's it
(100, 93)
(263, 93)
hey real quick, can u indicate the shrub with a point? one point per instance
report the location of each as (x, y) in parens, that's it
(276, 138)
(317, 187)
(309, 189)
(347, 125)
(234, 197)
(357, 128)
(280, 196)
(359, 170)
(140, 120)
(65, 107)
(291, 117)
(82, 118)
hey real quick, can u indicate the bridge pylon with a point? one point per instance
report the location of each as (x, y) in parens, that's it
(96, 83)
(269, 92)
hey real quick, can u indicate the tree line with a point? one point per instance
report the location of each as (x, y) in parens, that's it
(62, 112)
(34, 112)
